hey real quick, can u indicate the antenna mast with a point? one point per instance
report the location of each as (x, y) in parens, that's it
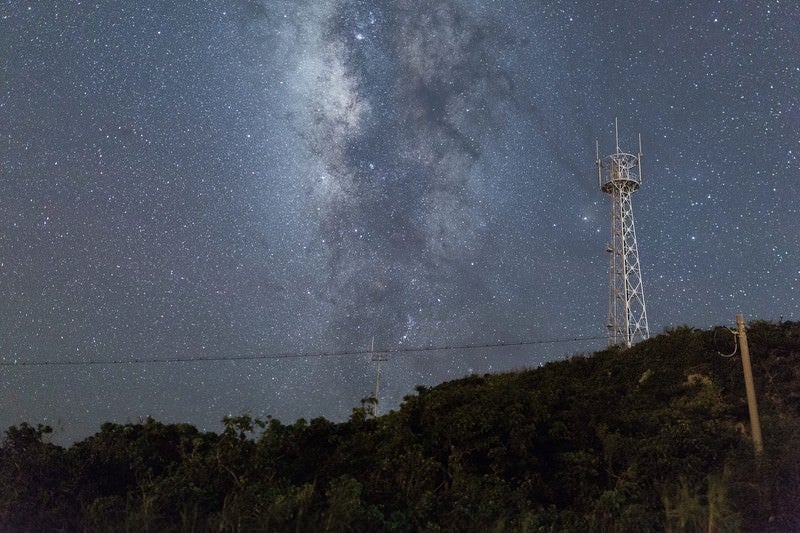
(619, 176)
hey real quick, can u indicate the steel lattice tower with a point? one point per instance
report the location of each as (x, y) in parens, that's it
(620, 175)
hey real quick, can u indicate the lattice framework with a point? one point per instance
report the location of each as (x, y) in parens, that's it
(619, 176)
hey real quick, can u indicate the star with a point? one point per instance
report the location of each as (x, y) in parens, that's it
(213, 183)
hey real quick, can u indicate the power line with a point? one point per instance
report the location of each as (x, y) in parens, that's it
(399, 351)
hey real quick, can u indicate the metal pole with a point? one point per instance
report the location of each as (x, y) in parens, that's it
(377, 358)
(752, 405)
(378, 387)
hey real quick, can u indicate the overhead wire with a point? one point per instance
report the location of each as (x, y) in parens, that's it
(399, 351)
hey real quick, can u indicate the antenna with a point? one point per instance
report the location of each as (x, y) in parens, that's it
(620, 176)
(641, 176)
(597, 161)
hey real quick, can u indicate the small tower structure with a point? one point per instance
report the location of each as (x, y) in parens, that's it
(377, 358)
(620, 175)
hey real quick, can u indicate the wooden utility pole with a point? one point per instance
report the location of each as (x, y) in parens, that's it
(752, 405)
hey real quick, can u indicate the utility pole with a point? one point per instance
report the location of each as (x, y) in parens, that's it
(752, 405)
(378, 359)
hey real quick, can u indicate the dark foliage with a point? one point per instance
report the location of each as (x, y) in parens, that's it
(651, 438)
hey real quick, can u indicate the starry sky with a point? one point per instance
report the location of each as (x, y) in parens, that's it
(238, 178)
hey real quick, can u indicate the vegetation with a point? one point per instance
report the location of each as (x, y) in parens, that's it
(651, 438)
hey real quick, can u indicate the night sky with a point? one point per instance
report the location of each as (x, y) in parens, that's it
(198, 179)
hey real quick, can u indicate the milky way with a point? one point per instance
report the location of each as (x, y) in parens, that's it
(240, 178)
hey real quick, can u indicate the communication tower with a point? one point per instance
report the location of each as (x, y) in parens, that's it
(620, 175)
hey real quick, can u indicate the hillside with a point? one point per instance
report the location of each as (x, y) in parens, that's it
(646, 439)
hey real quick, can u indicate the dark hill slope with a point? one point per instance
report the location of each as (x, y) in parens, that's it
(645, 438)
(651, 438)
